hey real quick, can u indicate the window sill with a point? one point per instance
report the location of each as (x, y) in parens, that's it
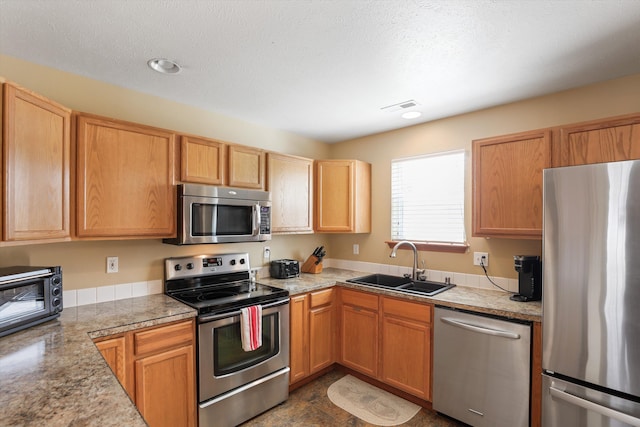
(457, 248)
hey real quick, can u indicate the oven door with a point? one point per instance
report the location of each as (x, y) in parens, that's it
(224, 365)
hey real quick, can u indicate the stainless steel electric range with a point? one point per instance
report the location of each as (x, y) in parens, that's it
(233, 385)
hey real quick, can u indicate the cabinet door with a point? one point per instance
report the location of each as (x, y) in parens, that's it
(114, 352)
(165, 390)
(203, 161)
(125, 179)
(608, 140)
(359, 331)
(36, 135)
(343, 196)
(406, 347)
(290, 181)
(246, 167)
(298, 348)
(321, 330)
(507, 184)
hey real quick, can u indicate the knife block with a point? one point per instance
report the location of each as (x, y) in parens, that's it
(310, 265)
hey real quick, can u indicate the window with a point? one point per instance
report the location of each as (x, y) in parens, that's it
(427, 198)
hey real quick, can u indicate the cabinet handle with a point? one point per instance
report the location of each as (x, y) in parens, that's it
(591, 406)
(481, 329)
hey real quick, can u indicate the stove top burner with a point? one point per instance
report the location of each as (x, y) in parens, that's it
(215, 284)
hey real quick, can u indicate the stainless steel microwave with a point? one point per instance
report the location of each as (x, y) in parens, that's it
(210, 214)
(29, 296)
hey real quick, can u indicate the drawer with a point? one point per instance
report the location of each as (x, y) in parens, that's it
(406, 309)
(321, 298)
(163, 337)
(360, 299)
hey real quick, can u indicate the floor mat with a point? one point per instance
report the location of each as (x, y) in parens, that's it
(369, 403)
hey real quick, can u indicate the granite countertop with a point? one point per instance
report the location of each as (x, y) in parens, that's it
(462, 297)
(53, 375)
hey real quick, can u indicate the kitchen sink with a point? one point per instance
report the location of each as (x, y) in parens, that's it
(402, 284)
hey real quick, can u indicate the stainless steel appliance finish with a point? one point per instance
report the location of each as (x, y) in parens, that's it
(210, 214)
(233, 385)
(591, 276)
(481, 368)
(29, 296)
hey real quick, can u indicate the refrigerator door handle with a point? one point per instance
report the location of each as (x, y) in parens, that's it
(588, 405)
(481, 329)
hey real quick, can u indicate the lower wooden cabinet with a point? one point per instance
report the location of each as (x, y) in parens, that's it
(359, 339)
(387, 339)
(156, 366)
(406, 346)
(312, 333)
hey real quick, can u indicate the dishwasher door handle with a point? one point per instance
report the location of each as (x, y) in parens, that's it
(481, 329)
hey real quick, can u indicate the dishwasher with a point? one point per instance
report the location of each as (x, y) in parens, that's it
(481, 368)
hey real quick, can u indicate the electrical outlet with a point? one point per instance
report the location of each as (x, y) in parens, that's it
(481, 257)
(266, 252)
(112, 264)
(356, 249)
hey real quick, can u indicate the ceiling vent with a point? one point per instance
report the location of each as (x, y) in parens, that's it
(402, 106)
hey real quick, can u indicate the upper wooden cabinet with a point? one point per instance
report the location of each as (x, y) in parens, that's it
(203, 161)
(36, 161)
(125, 177)
(507, 184)
(246, 167)
(598, 141)
(290, 181)
(343, 196)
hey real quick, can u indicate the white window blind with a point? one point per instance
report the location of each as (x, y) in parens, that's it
(427, 198)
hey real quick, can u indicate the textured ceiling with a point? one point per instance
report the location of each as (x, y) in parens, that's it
(325, 68)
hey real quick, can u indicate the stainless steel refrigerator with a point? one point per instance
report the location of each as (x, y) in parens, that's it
(591, 296)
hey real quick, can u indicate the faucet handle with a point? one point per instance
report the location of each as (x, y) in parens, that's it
(421, 274)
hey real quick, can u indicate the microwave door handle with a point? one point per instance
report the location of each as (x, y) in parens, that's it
(256, 220)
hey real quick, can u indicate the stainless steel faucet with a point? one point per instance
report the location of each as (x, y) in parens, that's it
(414, 275)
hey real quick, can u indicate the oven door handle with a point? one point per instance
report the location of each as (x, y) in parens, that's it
(238, 312)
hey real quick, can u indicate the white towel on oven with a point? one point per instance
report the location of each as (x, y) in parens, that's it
(251, 327)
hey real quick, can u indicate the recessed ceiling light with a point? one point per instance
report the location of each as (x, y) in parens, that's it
(164, 66)
(411, 114)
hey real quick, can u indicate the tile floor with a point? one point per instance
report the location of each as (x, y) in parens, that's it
(309, 406)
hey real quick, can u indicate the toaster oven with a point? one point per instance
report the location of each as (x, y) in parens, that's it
(284, 269)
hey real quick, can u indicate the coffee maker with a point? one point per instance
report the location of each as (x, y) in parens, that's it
(529, 268)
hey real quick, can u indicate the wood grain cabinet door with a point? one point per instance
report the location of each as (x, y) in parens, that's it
(299, 338)
(125, 179)
(406, 346)
(599, 141)
(359, 338)
(290, 181)
(343, 196)
(114, 352)
(203, 161)
(507, 184)
(165, 392)
(321, 330)
(246, 167)
(36, 133)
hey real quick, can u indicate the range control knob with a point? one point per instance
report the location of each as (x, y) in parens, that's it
(233, 262)
(177, 267)
(190, 266)
(241, 260)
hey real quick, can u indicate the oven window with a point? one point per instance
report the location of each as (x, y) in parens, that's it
(229, 356)
(21, 301)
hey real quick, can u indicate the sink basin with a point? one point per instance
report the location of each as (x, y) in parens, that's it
(381, 280)
(402, 284)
